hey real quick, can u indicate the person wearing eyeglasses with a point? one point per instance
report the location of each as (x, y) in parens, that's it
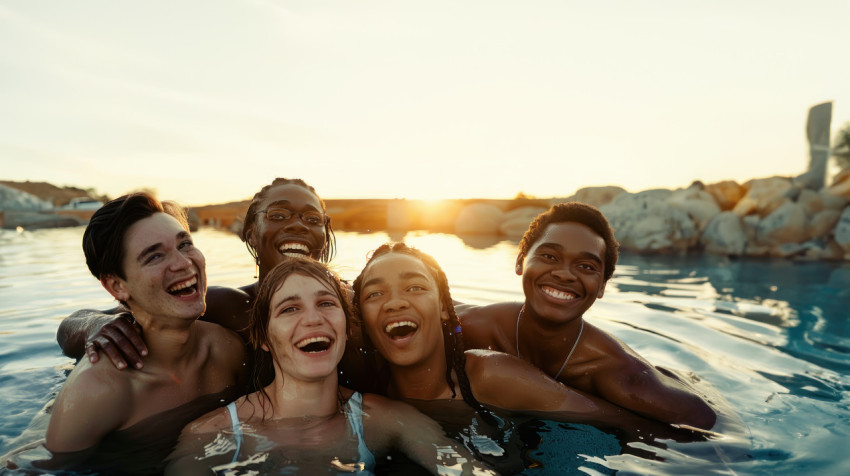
(285, 218)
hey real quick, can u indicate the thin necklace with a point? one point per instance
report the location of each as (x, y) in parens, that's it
(570, 354)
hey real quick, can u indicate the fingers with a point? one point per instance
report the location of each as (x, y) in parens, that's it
(121, 342)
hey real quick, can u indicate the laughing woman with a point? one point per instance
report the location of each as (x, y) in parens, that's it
(304, 421)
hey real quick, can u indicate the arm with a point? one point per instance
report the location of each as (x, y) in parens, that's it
(388, 423)
(504, 381)
(113, 331)
(91, 404)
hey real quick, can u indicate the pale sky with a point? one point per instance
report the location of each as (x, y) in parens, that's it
(206, 101)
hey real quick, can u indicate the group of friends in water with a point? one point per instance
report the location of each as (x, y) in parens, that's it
(302, 369)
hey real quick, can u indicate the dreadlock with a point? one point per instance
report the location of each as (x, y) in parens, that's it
(329, 248)
(455, 358)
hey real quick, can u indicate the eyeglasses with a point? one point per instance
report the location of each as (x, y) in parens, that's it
(282, 215)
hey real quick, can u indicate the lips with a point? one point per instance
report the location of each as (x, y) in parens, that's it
(184, 288)
(558, 294)
(294, 249)
(314, 344)
(400, 329)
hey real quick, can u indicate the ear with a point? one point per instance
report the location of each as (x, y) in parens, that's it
(519, 259)
(265, 347)
(251, 236)
(115, 286)
(444, 314)
(601, 290)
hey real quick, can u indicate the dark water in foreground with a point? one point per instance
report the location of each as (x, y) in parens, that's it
(771, 337)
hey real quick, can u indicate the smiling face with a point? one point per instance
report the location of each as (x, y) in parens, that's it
(277, 235)
(306, 329)
(402, 312)
(165, 273)
(563, 272)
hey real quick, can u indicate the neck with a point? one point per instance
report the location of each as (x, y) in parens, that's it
(538, 339)
(422, 382)
(168, 344)
(291, 398)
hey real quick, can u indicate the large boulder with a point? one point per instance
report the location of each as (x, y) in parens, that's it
(14, 199)
(725, 235)
(786, 224)
(597, 196)
(763, 196)
(647, 222)
(516, 221)
(823, 222)
(479, 219)
(840, 185)
(697, 203)
(726, 193)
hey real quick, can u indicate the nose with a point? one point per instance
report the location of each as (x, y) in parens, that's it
(296, 225)
(564, 273)
(312, 317)
(181, 261)
(395, 303)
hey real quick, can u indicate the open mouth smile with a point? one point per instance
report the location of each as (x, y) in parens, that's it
(184, 288)
(294, 249)
(314, 345)
(558, 294)
(400, 329)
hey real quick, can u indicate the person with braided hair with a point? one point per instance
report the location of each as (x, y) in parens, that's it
(304, 421)
(285, 218)
(410, 328)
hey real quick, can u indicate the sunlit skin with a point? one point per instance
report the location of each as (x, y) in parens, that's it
(268, 236)
(164, 284)
(562, 276)
(159, 255)
(399, 290)
(304, 309)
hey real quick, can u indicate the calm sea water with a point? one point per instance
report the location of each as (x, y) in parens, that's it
(772, 337)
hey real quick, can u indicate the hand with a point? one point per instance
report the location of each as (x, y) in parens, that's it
(120, 339)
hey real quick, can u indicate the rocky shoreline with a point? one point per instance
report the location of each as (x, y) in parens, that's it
(767, 217)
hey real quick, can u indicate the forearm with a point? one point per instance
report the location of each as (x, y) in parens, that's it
(74, 330)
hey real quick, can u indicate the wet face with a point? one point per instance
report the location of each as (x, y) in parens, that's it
(289, 222)
(306, 329)
(402, 312)
(165, 273)
(563, 272)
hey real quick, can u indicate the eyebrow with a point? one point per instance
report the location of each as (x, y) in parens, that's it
(297, 297)
(157, 246)
(405, 275)
(287, 203)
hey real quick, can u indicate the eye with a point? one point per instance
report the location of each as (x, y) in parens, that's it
(549, 257)
(416, 288)
(288, 310)
(279, 214)
(153, 257)
(328, 303)
(373, 294)
(313, 218)
(185, 244)
(588, 266)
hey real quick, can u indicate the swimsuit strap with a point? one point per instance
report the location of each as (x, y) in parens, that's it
(355, 418)
(237, 428)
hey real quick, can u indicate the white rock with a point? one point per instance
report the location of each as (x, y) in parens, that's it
(516, 221)
(697, 203)
(597, 196)
(646, 222)
(841, 232)
(786, 224)
(763, 196)
(479, 219)
(725, 235)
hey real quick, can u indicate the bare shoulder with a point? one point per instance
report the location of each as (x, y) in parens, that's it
(214, 421)
(488, 327)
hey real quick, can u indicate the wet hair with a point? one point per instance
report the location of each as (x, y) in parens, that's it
(258, 326)
(577, 212)
(455, 358)
(103, 239)
(329, 248)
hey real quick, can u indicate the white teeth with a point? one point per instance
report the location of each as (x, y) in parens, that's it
(311, 340)
(399, 324)
(558, 294)
(294, 249)
(184, 284)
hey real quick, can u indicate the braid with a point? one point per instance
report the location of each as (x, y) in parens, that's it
(329, 248)
(455, 357)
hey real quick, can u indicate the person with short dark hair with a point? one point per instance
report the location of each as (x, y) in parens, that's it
(108, 420)
(566, 258)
